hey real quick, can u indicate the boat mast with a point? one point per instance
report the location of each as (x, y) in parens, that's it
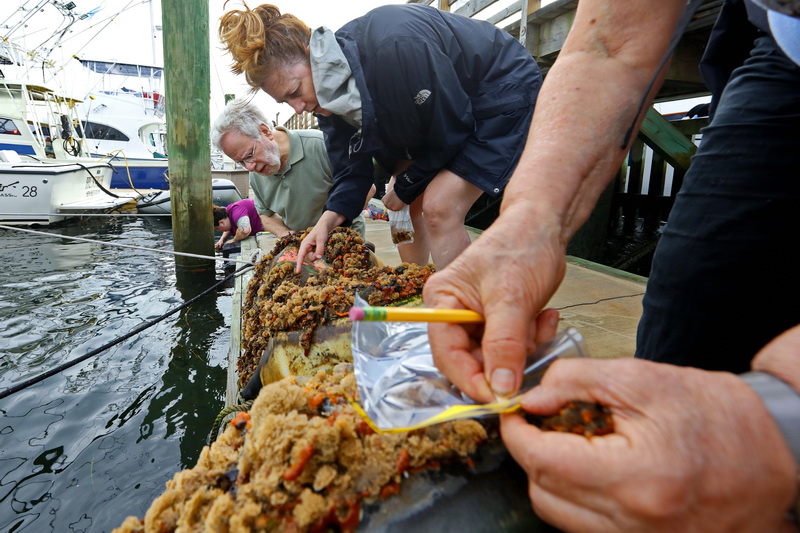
(25, 19)
(154, 28)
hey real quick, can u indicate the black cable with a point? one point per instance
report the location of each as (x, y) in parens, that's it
(72, 147)
(683, 22)
(52, 372)
(95, 179)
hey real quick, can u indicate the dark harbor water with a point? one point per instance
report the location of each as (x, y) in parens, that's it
(82, 450)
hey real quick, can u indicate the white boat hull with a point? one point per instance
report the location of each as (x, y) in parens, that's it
(44, 192)
(223, 192)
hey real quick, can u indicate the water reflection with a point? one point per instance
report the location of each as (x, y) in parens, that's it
(185, 392)
(86, 448)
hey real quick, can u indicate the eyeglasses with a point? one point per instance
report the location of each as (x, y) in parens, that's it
(248, 158)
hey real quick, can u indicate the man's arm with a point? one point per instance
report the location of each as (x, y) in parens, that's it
(584, 108)
(222, 239)
(274, 224)
(243, 228)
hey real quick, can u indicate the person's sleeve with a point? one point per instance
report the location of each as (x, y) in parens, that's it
(421, 92)
(235, 212)
(352, 173)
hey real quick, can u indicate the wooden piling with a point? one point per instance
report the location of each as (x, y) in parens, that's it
(187, 90)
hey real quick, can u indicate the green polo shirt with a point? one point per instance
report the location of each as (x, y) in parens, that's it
(298, 194)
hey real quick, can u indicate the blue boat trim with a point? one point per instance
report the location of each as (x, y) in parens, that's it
(22, 149)
(142, 177)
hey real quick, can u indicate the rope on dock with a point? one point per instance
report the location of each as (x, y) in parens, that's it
(244, 406)
(120, 245)
(88, 214)
(52, 372)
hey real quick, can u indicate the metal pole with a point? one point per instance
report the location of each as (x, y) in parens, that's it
(523, 23)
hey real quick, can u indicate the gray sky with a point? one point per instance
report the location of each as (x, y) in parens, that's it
(122, 30)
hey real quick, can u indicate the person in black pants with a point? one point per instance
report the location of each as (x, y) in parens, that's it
(693, 450)
(724, 278)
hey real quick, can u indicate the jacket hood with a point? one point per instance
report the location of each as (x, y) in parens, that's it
(334, 82)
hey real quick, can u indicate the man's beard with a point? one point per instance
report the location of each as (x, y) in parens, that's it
(272, 159)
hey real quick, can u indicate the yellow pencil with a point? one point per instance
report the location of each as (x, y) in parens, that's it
(413, 314)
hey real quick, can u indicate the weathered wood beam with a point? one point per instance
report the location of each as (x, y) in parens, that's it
(548, 26)
(187, 89)
(666, 140)
(690, 126)
(550, 32)
(506, 12)
(684, 66)
(523, 24)
(473, 6)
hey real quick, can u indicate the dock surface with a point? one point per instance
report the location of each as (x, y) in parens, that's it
(602, 303)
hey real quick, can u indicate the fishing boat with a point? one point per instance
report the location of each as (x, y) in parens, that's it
(119, 116)
(46, 175)
(127, 128)
(44, 192)
(36, 120)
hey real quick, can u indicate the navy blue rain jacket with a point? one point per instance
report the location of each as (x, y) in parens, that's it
(425, 76)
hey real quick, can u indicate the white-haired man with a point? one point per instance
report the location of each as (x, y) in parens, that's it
(290, 172)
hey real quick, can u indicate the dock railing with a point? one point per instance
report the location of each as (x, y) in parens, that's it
(653, 172)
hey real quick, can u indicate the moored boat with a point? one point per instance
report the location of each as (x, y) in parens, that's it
(44, 192)
(35, 120)
(127, 127)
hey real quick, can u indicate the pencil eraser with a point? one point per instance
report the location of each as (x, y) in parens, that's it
(356, 313)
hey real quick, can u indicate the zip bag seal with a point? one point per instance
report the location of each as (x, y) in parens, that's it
(400, 388)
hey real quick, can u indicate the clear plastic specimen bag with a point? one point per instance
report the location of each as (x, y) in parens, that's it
(401, 389)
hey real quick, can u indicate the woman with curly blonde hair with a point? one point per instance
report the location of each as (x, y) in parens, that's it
(442, 101)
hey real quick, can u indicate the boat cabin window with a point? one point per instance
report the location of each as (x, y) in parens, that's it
(45, 129)
(8, 127)
(10, 93)
(103, 132)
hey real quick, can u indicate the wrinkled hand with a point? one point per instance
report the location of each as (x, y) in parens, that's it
(313, 245)
(693, 451)
(315, 240)
(392, 201)
(508, 279)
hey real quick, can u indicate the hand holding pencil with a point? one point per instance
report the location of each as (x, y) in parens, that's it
(413, 314)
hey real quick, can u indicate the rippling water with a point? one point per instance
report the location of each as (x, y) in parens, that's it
(83, 449)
